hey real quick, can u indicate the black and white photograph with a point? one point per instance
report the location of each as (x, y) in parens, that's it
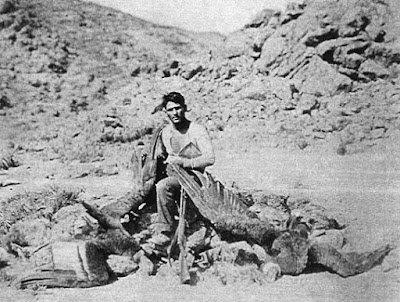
(199, 150)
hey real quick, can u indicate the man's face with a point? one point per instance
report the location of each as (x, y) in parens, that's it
(175, 112)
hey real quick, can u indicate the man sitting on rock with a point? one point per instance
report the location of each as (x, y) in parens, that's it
(186, 144)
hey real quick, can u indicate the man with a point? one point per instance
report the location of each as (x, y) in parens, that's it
(187, 144)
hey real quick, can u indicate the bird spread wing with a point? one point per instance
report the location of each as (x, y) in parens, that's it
(226, 211)
(209, 195)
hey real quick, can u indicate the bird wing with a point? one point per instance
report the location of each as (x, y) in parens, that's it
(209, 195)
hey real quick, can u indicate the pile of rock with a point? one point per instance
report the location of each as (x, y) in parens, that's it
(71, 250)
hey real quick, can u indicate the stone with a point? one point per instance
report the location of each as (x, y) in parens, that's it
(320, 35)
(378, 133)
(190, 70)
(4, 258)
(353, 61)
(239, 253)
(320, 78)
(291, 253)
(261, 19)
(231, 274)
(334, 238)
(197, 240)
(7, 6)
(373, 70)
(260, 253)
(307, 104)
(122, 266)
(5, 102)
(272, 49)
(146, 266)
(272, 271)
(392, 261)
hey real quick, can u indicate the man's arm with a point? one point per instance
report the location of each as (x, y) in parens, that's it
(203, 143)
(207, 157)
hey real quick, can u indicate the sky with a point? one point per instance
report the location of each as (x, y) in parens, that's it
(197, 15)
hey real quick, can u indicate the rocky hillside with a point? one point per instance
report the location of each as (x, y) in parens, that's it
(79, 81)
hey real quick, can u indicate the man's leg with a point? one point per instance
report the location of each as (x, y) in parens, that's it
(168, 191)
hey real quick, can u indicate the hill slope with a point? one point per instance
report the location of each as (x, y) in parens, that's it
(77, 77)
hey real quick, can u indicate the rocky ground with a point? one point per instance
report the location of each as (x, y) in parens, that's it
(302, 102)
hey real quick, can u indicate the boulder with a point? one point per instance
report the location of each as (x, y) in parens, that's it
(239, 275)
(198, 240)
(7, 6)
(5, 102)
(320, 78)
(392, 261)
(121, 265)
(4, 258)
(272, 271)
(373, 70)
(261, 19)
(190, 70)
(146, 266)
(260, 253)
(291, 252)
(334, 238)
(239, 253)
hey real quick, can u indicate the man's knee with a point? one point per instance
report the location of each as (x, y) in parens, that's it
(162, 186)
(168, 184)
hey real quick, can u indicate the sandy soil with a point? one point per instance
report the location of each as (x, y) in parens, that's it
(362, 191)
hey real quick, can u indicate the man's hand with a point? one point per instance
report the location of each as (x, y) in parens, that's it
(176, 160)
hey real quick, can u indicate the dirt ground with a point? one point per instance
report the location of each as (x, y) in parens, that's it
(361, 190)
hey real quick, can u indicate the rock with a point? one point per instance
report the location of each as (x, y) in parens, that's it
(4, 257)
(378, 133)
(239, 253)
(231, 274)
(261, 18)
(392, 261)
(7, 6)
(353, 61)
(373, 70)
(333, 238)
(260, 253)
(293, 11)
(291, 252)
(272, 49)
(307, 104)
(197, 240)
(5, 102)
(272, 271)
(134, 71)
(146, 266)
(121, 265)
(320, 35)
(168, 272)
(215, 240)
(9, 182)
(354, 20)
(190, 70)
(320, 78)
